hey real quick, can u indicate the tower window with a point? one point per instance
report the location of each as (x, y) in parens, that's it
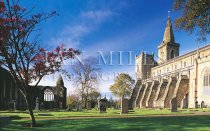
(172, 54)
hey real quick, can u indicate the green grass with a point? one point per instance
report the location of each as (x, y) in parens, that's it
(150, 123)
(52, 120)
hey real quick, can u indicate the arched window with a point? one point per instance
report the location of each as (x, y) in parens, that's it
(61, 93)
(48, 95)
(206, 80)
(206, 77)
(172, 54)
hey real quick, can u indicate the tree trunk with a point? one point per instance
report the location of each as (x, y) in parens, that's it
(33, 121)
(85, 103)
(30, 109)
(121, 102)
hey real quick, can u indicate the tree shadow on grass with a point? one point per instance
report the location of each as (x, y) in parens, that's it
(150, 123)
(44, 114)
(14, 112)
(147, 123)
(4, 121)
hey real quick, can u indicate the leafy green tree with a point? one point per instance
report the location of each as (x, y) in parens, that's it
(72, 100)
(122, 86)
(194, 17)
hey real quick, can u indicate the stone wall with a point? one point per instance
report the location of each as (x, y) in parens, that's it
(9, 93)
(203, 69)
(145, 62)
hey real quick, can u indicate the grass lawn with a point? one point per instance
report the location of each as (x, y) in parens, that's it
(92, 124)
(47, 120)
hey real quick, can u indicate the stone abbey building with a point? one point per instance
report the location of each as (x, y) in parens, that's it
(48, 97)
(185, 78)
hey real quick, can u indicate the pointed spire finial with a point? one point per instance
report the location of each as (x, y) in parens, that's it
(169, 13)
(168, 34)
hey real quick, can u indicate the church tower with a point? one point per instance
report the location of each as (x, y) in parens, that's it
(168, 49)
(60, 93)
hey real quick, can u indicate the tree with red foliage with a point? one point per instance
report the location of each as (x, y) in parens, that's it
(23, 57)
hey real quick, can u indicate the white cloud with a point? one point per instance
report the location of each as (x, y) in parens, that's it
(97, 16)
(75, 31)
(87, 22)
(71, 35)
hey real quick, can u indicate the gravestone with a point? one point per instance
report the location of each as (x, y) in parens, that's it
(41, 106)
(14, 104)
(185, 103)
(60, 105)
(124, 108)
(37, 104)
(196, 104)
(102, 105)
(174, 105)
(202, 104)
(79, 106)
(88, 105)
(98, 105)
(69, 108)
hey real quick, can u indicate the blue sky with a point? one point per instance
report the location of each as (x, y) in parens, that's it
(109, 25)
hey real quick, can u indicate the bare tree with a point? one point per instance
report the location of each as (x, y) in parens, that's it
(86, 77)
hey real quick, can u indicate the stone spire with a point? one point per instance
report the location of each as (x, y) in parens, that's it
(168, 34)
(60, 81)
(168, 49)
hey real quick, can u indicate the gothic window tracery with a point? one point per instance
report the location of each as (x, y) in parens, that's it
(48, 95)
